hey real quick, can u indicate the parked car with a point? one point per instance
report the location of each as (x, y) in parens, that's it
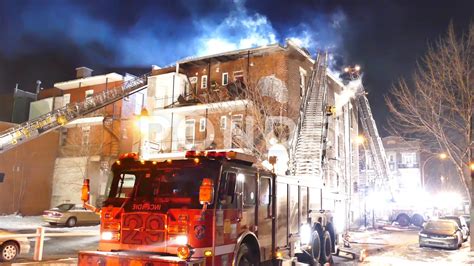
(461, 222)
(11, 247)
(467, 217)
(441, 233)
(70, 215)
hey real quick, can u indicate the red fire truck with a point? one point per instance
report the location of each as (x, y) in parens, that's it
(209, 208)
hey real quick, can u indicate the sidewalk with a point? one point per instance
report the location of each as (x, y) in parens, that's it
(61, 262)
(368, 242)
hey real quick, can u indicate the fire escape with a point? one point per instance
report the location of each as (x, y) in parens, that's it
(57, 118)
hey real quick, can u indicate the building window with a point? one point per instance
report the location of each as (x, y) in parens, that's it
(225, 78)
(239, 75)
(66, 98)
(202, 124)
(237, 130)
(204, 82)
(409, 159)
(302, 80)
(223, 122)
(190, 131)
(89, 93)
(85, 135)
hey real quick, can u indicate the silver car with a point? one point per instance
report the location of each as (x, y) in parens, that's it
(441, 233)
(11, 247)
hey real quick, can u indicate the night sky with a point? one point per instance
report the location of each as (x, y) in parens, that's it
(47, 40)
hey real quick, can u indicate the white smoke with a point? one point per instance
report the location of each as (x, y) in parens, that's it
(239, 30)
(350, 91)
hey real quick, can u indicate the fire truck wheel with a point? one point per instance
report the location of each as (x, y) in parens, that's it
(403, 220)
(245, 256)
(71, 222)
(316, 246)
(417, 220)
(326, 246)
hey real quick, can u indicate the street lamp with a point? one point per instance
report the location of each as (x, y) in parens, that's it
(441, 156)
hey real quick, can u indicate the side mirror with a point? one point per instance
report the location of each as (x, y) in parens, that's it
(206, 191)
(85, 191)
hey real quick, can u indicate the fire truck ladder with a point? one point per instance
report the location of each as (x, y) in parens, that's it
(371, 133)
(34, 128)
(307, 153)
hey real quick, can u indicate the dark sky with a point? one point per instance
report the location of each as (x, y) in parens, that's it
(46, 40)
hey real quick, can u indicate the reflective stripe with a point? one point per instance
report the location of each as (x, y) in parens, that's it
(220, 250)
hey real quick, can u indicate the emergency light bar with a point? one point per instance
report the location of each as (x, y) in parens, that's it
(129, 155)
(229, 155)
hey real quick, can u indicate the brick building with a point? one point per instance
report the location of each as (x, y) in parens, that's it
(197, 104)
(88, 146)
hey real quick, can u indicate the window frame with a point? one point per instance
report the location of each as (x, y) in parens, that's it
(204, 82)
(202, 124)
(223, 122)
(225, 78)
(194, 131)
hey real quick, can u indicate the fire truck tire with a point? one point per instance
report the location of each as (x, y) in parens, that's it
(245, 257)
(417, 220)
(326, 248)
(315, 246)
(71, 222)
(403, 220)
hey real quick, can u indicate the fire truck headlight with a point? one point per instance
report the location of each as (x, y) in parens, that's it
(185, 252)
(305, 233)
(181, 240)
(107, 235)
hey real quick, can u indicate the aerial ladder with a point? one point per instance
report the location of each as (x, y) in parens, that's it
(382, 181)
(308, 150)
(57, 118)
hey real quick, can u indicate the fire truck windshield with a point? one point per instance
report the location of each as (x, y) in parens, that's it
(172, 185)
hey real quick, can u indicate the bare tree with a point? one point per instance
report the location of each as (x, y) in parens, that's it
(438, 107)
(265, 113)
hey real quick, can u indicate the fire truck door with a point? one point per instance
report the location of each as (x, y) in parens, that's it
(264, 231)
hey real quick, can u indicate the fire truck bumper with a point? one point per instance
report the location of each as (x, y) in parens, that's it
(133, 259)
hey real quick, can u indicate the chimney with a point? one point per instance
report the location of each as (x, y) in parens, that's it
(83, 72)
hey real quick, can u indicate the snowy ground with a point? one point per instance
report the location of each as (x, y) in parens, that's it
(389, 245)
(392, 245)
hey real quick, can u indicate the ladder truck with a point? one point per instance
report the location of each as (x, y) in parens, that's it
(403, 214)
(209, 207)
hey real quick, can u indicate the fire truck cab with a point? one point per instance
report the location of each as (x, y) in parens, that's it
(212, 208)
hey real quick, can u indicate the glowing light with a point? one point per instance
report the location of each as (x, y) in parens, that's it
(107, 236)
(208, 253)
(117, 162)
(279, 255)
(240, 178)
(443, 156)
(357, 68)
(184, 252)
(471, 165)
(346, 69)
(359, 139)
(305, 232)
(181, 240)
(196, 160)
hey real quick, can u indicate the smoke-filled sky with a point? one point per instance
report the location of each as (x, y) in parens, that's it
(46, 40)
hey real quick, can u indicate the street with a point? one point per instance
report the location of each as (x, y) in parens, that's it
(395, 246)
(386, 246)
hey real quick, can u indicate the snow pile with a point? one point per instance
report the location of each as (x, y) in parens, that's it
(17, 222)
